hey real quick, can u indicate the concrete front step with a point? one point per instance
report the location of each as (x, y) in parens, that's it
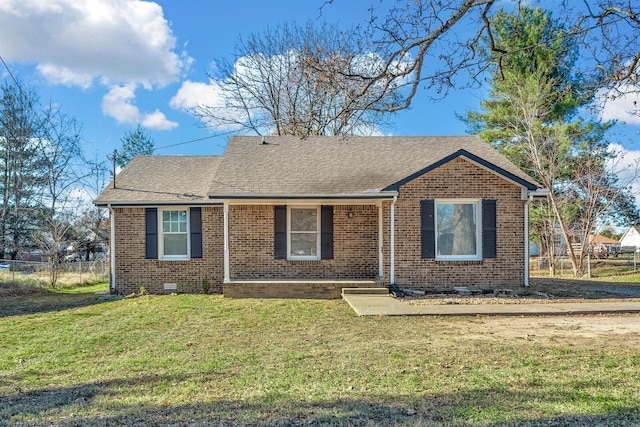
(365, 291)
(274, 288)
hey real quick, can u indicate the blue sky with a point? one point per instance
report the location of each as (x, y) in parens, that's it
(113, 64)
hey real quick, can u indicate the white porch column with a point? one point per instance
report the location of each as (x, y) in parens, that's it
(380, 240)
(227, 278)
(526, 242)
(392, 243)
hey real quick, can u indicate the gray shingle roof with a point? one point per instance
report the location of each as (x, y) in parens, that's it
(324, 165)
(162, 179)
(290, 166)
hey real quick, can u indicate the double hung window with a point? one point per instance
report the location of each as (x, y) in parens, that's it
(174, 241)
(304, 236)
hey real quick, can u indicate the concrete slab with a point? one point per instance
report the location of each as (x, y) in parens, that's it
(386, 305)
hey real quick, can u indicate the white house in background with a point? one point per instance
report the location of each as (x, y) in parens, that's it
(631, 237)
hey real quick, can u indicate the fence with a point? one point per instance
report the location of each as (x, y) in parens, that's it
(78, 271)
(617, 264)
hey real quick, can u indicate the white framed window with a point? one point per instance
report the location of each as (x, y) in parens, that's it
(303, 233)
(174, 233)
(458, 229)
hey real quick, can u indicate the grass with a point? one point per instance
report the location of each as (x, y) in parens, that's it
(207, 360)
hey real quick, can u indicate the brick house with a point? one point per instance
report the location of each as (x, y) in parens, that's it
(291, 217)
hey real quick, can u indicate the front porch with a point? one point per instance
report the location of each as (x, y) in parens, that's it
(312, 289)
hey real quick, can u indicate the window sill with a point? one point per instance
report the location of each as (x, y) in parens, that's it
(458, 261)
(303, 259)
(174, 259)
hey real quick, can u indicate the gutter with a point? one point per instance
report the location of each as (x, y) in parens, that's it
(538, 193)
(526, 241)
(112, 249)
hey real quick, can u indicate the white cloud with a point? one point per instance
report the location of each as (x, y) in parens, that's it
(192, 94)
(124, 40)
(624, 108)
(157, 120)
(626, 165)
(122, 44)
(64, 76)
(118, 103)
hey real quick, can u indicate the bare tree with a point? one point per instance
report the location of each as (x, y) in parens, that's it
(62, 167)
(301, 80)
(439, 44)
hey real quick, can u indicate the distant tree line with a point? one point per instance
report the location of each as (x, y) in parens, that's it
(42, 173)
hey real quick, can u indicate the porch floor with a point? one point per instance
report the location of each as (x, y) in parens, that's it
(295, 288)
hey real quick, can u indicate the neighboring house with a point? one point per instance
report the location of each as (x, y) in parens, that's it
(631, 237)
(603, 246)
(291, 217)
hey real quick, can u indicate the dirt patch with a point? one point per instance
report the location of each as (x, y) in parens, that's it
(540, 291)
(542, 329)
(551, 328)
(10, 289)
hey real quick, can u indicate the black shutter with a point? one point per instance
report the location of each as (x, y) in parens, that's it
(195, 229)
(326, 232)
(489, 240)
(280, 232)
(151, 233)
(427, 229)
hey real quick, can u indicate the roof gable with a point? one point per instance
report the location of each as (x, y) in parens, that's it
(463, 153)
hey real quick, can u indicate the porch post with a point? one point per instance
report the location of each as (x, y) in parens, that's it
(226, 242)
(380, 240)
(392, 243)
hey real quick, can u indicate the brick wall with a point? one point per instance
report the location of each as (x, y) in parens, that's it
(134, 271)
(355, 246)
(458, 179)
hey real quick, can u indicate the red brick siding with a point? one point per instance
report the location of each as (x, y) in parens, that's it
(134, 271)
(458, 179)
(355, 246)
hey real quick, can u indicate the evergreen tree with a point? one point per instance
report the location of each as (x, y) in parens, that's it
(134, 143)
(531, 116)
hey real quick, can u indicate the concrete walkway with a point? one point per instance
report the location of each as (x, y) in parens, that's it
(386, 305)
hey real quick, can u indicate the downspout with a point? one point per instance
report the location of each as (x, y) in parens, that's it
(112, 248)
(380, 240)
(227, 278)
(526, 240)
(392, 243)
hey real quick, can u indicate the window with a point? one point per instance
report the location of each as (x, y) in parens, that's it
(174, 240)
(458, 231)
(303, 233)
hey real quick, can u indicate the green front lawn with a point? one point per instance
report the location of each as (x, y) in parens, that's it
(202, 360)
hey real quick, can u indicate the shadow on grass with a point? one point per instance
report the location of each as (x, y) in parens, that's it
(44, 301)
(111, 403)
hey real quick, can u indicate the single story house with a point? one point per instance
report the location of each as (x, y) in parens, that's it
(631, 237)
(281, 216)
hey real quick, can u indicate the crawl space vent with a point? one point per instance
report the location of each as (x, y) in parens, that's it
(170, 286)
